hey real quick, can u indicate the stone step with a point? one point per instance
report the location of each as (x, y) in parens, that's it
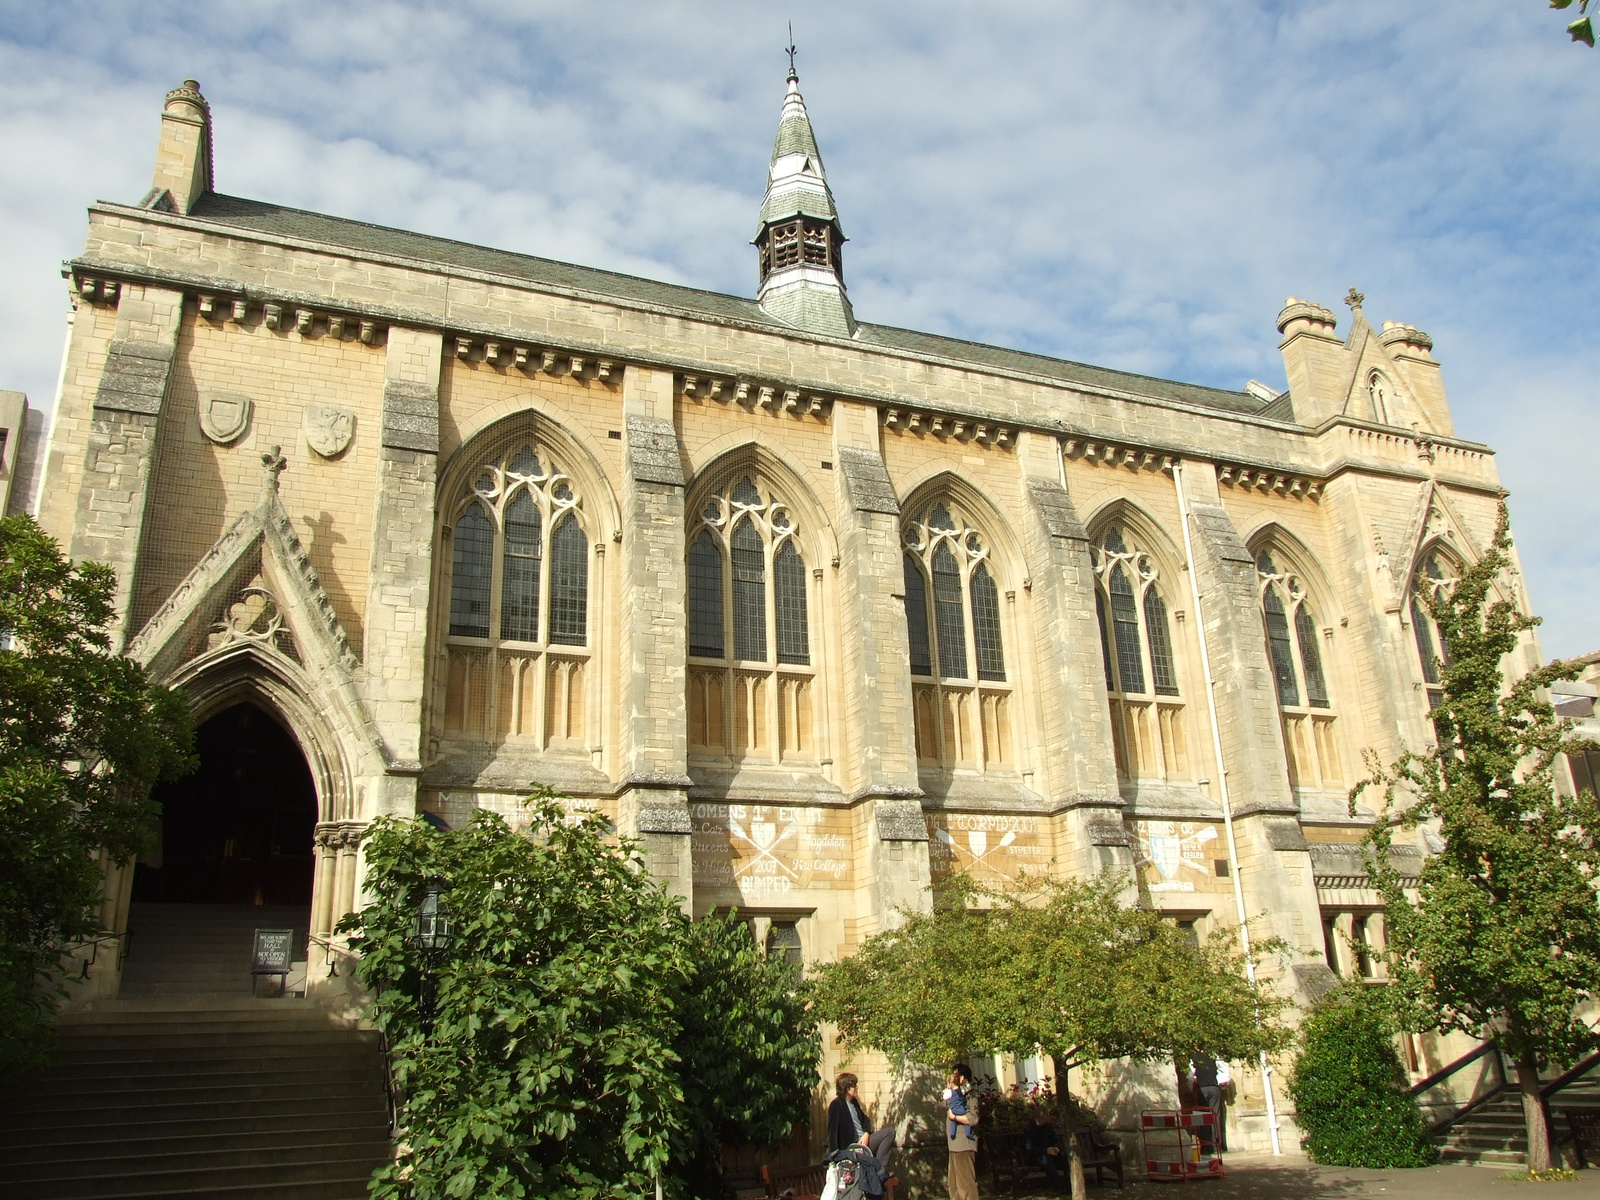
(226, 1034)
(201, 1180)
(89, 1116)
(87, 1087)
(56, 1140)
(200, 1154)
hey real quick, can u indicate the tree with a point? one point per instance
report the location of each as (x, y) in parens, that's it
(1582, 29)
(748, 1048)
(584, 1036)
(1502, 930)
(84, 736)
(1058, 966)
(1349, 1089)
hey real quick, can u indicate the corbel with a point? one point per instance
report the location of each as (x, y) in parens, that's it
(208, 306)
(741, 392)
(519, 355)
(575, 367)
(691, 384)
(241, 310)
(303, 317)
(336, 328)
(768, 397)
(491, 352)
(549, 362)
(369, 332)
(463, 347)
(274, 316)
(603, 369)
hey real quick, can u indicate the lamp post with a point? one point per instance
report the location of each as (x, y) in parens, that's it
(431, 934)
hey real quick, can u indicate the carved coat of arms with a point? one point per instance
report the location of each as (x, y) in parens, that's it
(224, 415)
(328, 428)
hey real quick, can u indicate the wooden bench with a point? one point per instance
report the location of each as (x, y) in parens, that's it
(1006, 1158)
(805, 1183)
(1585, 1126)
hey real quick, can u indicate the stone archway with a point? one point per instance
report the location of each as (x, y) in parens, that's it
(240, 829)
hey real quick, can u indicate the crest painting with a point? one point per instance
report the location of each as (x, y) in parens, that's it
(224, 416)
(328, 428)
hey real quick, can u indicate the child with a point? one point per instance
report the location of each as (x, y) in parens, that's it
(955, 1099)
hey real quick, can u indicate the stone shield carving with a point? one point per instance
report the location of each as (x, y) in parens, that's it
(328, 429)
(224, 416)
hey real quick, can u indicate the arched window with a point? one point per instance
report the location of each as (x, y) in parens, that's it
(1294, 640)
(1381, 394)
(519, 605)
(750, 674)
(1148, 725)
(953, 622)
(1434, 580)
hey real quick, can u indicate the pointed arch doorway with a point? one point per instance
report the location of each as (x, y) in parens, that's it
(235, 853)
(239, 830)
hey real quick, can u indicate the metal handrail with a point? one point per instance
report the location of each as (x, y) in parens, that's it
(1443, 1073)
(1569, 1075)
(1477, 1102)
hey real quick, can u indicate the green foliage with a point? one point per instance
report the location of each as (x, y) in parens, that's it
(1058, 965)
(1349, 1088)
(587, 1035)
(1504, 929)
(747, 1046)
(1582, 29)
(83, 738)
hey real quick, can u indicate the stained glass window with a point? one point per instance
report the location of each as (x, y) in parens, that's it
(472, 561)
(917, 618)
(569, 584)
(519, 584)
(705, 597)
(749, 593)
(1125, 625)
(986, 625)
(1161, 664)
(948, 618)
(789, 601)
(1305, 628)
(1280, 649)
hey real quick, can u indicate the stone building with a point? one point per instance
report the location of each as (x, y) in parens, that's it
(822, 611)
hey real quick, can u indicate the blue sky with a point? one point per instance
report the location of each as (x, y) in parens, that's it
(1134, 185)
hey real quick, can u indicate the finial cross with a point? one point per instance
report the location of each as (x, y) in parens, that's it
(272, 464)
(791, 48)
(1354, 298)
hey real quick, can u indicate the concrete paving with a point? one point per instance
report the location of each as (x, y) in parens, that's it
(1292, 1177)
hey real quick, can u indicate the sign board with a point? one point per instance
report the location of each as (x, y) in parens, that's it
(273, 953)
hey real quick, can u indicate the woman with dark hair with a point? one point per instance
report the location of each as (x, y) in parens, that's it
(849, 1128)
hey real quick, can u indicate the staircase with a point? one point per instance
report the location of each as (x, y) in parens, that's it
(192, 949)
(1496, 1134)
(196, 1096)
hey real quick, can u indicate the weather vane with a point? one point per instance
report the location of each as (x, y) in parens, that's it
(791, 48)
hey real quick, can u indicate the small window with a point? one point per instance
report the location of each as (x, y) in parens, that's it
(783, 944)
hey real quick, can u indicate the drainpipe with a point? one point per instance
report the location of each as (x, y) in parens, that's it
(1222, 783)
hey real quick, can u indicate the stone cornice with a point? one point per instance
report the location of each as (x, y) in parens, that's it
(99, 280)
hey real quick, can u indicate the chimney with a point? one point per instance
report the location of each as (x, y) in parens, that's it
(183, 159)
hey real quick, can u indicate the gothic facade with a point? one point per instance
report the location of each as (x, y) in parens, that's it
(821, 611)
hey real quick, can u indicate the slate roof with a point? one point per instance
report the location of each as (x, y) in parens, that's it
(341, 235)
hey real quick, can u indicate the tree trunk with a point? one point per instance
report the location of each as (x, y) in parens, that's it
(1080, 1186)
(1533, 1113)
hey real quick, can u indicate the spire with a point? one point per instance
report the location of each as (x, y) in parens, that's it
(800, 239)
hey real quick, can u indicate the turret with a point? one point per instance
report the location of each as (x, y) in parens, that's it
(183, 158)
(800, 239)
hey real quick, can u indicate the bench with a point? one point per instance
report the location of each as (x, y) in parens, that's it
(1585, 1125)
(1006, 1158)
(805, 1183)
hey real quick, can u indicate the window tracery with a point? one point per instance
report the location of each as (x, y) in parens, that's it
(1294, 652)
(751, 679)
(953, 622)
(1148, 723)
(1379, 391)
(1433, 580)
(517, 640)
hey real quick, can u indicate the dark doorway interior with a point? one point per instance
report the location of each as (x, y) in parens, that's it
(239, 830)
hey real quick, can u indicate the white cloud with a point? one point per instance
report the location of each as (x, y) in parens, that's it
(1119, 184)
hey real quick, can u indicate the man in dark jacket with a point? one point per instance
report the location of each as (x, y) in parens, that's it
(1041, 1147)
(848, 1128)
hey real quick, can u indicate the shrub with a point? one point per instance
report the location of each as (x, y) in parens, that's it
(585, 1036)
(1349, 1088)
